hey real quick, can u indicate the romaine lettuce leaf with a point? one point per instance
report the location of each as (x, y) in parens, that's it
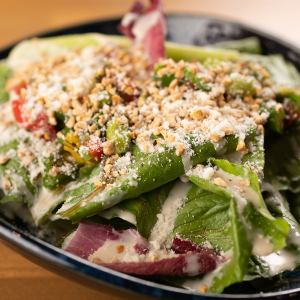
(215, 214)
(147, 172)
(210, 217)
(33, 50)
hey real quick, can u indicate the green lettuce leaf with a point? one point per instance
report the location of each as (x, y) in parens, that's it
(231, 218)
(148, 171)
(22, 188)
(210, 217)
(246, 45)
(235, 270)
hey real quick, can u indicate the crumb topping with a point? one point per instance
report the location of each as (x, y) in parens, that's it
(100, 100)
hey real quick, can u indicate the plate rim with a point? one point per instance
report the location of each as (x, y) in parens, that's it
(21, 240)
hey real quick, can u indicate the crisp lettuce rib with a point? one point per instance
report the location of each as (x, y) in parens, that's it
(246, 45)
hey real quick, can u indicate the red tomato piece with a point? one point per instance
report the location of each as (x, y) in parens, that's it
(41, 121)
(17, 89)
(18, 103)
(95, 148)
(17, 109)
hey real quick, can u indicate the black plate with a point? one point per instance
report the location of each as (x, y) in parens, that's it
(197, 30)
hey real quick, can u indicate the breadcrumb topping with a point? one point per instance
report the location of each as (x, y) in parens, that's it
(91, 88)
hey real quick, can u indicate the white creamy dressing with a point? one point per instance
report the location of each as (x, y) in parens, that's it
(236, 185)
(166, 219)
(44, 202)
(122, 249)
(187, 161)
(261, 245)
(206, 281)
(120, 213)
(240, 188)
(192, 265)
(204, 172)
(184, 178)
(67, 240)
(281, 261)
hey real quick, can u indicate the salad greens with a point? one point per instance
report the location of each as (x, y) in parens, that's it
(198, 154)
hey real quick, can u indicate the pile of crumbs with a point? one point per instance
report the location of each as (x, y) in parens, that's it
(160, 108)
